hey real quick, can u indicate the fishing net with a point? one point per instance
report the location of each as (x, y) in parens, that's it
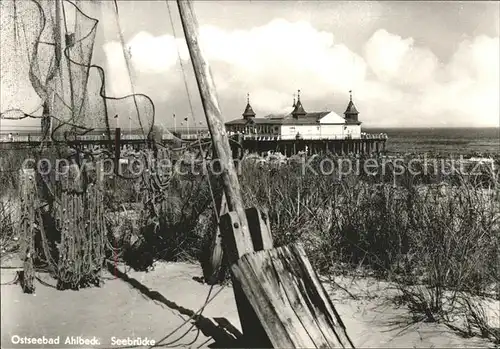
(47, 70)
(49, 82)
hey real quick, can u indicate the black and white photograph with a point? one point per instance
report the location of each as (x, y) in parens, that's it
(249, 174)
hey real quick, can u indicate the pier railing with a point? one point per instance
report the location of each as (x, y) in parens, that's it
(37, 137)
(190, 135)
(309, 136)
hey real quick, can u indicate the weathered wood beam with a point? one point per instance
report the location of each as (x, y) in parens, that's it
(27, 190)
(215, 124)
(289, 300)
(254, 335)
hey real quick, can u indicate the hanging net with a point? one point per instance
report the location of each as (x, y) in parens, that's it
(47, 50)
(51, 87)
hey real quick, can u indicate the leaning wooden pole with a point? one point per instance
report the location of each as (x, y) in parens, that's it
(281, 302)
(215, 124)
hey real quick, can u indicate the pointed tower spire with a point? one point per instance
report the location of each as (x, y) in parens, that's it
(351, 113)
(293, 106)
(299, 109)
(248, 113)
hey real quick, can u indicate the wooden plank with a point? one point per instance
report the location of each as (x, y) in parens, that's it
(260, 233)
(254, 335)
(27, 188)
(215, 124)
(288, 299)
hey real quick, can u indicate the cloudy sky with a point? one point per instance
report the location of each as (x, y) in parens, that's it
(409, 63)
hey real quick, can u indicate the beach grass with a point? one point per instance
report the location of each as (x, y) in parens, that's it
(434, 236)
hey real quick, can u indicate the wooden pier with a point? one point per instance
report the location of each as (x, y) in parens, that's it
(366, 145)
(240, 144)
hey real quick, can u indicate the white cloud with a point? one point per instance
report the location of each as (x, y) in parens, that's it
(470, 94)
(159, 52)
(477, 60)
(397, 60)
(269, 101)
(408, 85)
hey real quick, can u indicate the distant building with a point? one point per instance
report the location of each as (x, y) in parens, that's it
(296, 123)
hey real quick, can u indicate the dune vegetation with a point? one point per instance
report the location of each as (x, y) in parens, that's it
(434, 236)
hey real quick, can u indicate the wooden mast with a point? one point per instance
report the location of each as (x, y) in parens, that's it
(215, 124)
(281, 302)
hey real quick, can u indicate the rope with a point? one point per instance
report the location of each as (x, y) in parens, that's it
(189, 100)
(16, 34)
(184, 75)
(198, 313)
(180, 58)
(66, 51)
(12, 282)
(212, 196)
(127, 62)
